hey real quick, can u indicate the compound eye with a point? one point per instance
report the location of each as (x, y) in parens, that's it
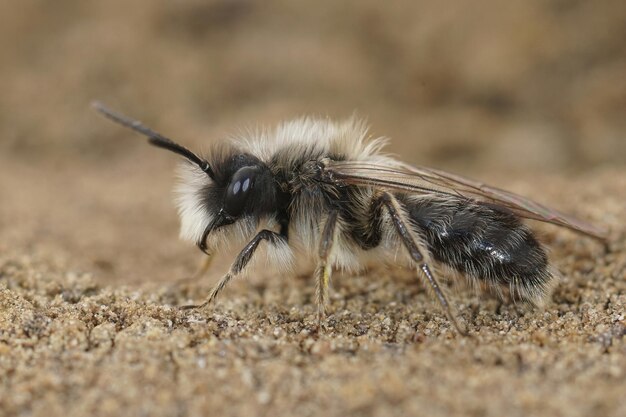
(239, 190)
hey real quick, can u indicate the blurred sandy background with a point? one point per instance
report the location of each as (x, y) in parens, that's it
(527, 95)
(483, 89)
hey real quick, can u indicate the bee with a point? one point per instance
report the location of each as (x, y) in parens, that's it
(325, 189)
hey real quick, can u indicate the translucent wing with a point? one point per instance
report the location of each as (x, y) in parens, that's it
(421, 180)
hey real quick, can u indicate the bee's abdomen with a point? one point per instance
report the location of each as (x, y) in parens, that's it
(483, 242)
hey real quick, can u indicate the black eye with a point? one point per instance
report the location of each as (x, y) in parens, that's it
(239, 190)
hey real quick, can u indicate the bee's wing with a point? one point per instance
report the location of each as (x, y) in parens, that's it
(428, 181)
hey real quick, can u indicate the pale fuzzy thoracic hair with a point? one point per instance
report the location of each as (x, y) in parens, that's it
(348, 137)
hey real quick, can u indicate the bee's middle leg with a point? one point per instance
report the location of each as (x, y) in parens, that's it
(324, 269)
(241, 262)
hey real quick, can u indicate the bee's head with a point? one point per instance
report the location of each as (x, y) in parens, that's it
(240, 191)
(234, 188)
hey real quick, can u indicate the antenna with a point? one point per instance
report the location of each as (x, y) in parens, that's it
(154, 138)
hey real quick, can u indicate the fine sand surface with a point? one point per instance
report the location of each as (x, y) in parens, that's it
(73, 342)
(529, 98)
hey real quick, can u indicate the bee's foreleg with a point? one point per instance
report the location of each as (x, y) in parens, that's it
(241, 262)
(202, 269)
(416, 250)
(204, 266)
(324, 269)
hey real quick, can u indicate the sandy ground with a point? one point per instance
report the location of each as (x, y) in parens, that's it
(530, 97)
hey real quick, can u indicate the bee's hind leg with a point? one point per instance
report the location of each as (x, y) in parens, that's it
(324, 269)
(241, 262)
(413, 245)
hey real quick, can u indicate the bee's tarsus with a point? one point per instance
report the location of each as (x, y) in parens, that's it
(442, 299)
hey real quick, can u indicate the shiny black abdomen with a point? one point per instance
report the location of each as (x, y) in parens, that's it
(483, 242)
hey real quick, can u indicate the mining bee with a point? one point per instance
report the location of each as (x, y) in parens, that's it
(326, 190)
